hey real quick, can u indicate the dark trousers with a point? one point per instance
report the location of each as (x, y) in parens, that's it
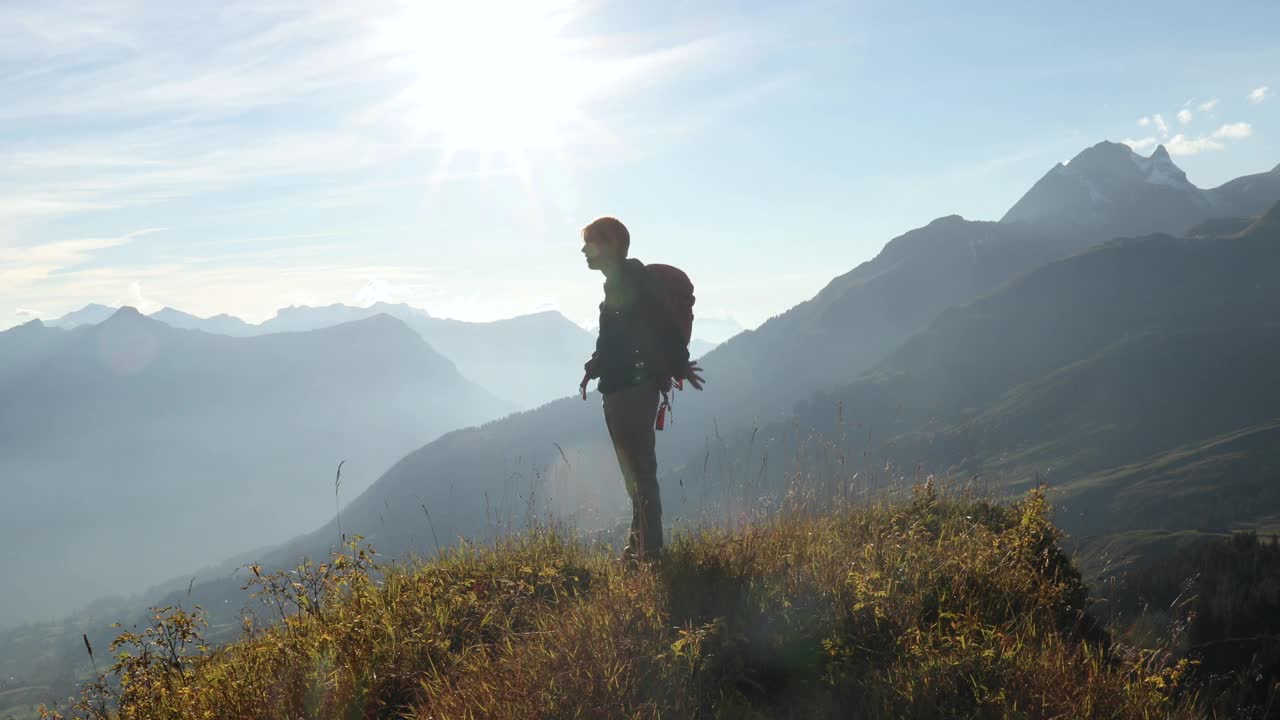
(630, 414)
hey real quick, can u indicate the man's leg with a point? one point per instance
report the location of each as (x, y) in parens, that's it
(613, 414)
(630, 415)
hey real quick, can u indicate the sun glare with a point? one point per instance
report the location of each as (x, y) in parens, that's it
(491, 76)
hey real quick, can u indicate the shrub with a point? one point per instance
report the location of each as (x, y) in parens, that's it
(934, 607)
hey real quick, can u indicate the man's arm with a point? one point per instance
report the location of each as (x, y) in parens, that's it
(589, 372)
(591, 368)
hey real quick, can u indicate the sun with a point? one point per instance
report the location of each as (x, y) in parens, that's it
(492, 76)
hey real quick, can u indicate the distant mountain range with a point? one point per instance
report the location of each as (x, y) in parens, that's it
(90, 314)
(220, 324)
(135, 451)
(527, 360)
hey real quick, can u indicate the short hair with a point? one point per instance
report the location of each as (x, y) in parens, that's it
(609, 230)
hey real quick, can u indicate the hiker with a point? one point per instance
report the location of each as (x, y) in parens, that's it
(643, 348)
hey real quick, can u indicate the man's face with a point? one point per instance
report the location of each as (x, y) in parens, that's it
(596, 252)
(592, 252)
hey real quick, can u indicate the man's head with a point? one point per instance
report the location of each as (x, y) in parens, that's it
(605, 242)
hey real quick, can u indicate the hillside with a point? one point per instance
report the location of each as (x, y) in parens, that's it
(926, 607)
(528, 360)
(26, 344)
(188, 447)
(1155, 351)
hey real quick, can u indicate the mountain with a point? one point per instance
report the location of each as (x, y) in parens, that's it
(528, 360)
(715, 329)
(865, 313)
(1138, 378)
(698, 347)
(131, 451)
(1110, 190)
(221, 324)
(1246, 196)
(549, 366)
(1220, 227)
(90, 314)
(1105, 191)
(298, 318)
(1111, 186)
(25, 344)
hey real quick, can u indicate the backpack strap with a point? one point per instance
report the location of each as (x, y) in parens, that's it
(663, 409)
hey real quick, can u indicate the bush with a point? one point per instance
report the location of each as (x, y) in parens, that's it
(934, 607)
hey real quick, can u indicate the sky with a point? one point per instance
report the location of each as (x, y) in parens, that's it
(244, 156)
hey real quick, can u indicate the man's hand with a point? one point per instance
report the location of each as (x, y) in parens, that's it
(589, 373)
(693, 374)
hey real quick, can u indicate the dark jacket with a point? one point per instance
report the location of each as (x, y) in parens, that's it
(639, 340)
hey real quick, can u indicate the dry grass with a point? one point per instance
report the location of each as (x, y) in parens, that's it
(927, 607)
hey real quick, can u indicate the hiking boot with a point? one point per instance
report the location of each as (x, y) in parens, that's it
(632, 556)
(629, 556)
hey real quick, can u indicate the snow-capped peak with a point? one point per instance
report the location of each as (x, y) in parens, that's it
(1160, 170)
(1112, 189)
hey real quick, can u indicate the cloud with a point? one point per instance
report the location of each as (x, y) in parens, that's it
(63, 253)
(137, 299)
(1259, 94)
(120, 111)
(1141, 145)
(169, 110)
(23, 268)
(381, 290)
(18, 205)
(245, 277)
(1160, 124)
(27, 312)
(1234, 131)
(1182, 145)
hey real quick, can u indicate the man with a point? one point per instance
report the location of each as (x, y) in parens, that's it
(639, 352)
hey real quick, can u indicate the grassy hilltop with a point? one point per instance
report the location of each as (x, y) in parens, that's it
(927, 606)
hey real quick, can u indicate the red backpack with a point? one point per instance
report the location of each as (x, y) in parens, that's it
(676, 292)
